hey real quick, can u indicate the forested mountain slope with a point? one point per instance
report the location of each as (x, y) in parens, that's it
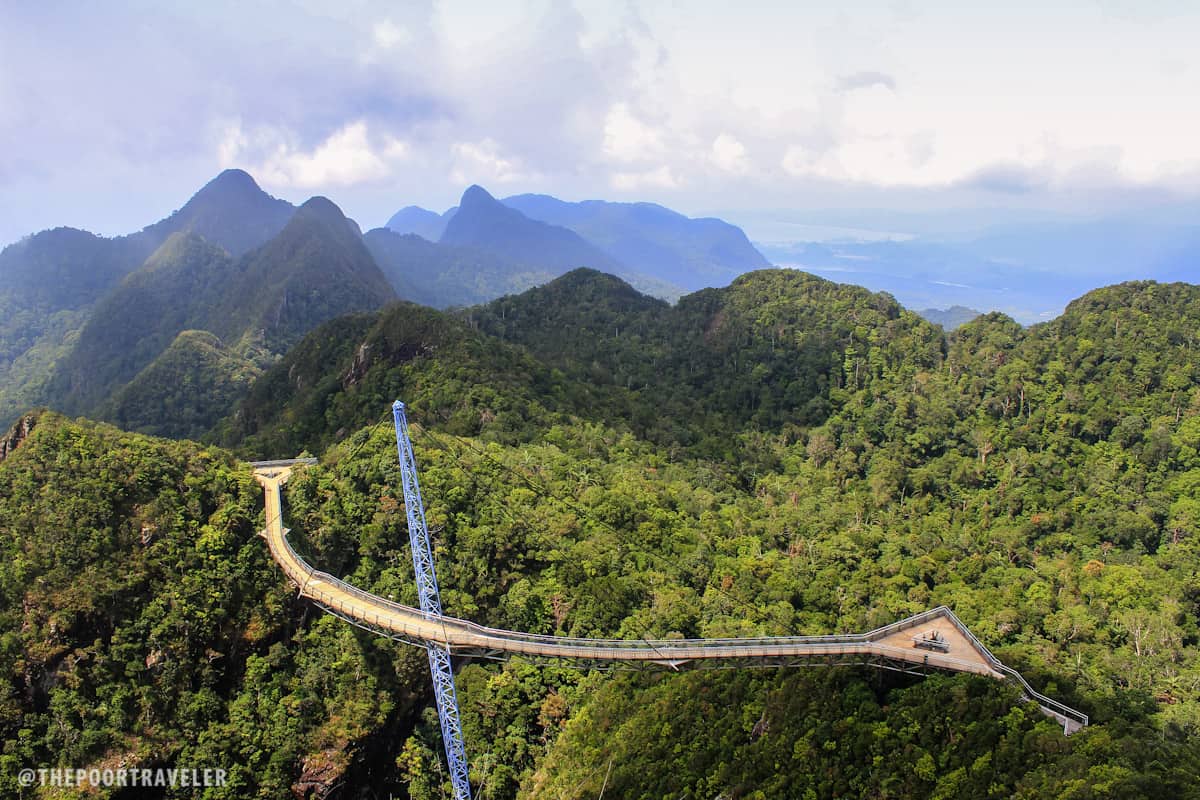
(143, 625)
(760, 354)
(315, 269)
(442, 275)
(588, 533)
(174, 290)
(766, 352)
(51, 283)
(193, 382)
(336, 381)
(1042, 482)
(48, 285)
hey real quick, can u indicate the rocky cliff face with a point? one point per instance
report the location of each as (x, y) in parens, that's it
(17, 434)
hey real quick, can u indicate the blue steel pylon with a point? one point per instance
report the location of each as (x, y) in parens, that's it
(431, 607)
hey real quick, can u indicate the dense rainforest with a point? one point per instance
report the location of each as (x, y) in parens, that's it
(786, 455)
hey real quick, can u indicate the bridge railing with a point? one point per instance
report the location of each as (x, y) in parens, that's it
(297, 566)
(284, 462)
(311, 582)
(724, 643)
(371, 602)
(1043, 700)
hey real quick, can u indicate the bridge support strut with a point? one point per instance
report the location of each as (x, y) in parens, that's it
(431, 608)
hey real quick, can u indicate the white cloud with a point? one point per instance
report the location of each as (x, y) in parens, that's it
(388, 34)
(482, 162)
(879, 160)
(800, 162)
(346, 158)
(379, 106)
(658, 178)
(865, 80)
(233, 142)
(885, 160)
(395, 149)
(628, 139)
(729, 154)
(874, 111)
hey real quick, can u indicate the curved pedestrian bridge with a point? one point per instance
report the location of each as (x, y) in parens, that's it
(934, 639)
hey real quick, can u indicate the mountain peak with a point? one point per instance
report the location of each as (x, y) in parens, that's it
(325, 211)
(323, 206)
(483, 222)
(599, 289)
(231, 210)
(235, 178)
(421, 221)
(476, 195)
(231, 185)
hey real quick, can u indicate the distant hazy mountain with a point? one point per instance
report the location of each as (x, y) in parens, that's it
(135, 322)
(485, 223)
(244, 312)
(51, 282)
(950, 318)
(646, 241)
(230, 211)
(692, 253)
(443, 275)
(424, 223)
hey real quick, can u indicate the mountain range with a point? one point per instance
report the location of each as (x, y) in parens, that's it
(675, 252)
(51, 282)
(83, 317)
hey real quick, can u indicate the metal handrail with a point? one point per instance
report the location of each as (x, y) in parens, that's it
(368, 608)
(656, 645)
(1042, 699)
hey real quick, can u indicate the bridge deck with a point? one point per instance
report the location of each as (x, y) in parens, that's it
(895, 646)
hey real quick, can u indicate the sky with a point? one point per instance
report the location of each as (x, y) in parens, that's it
(113, 114)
